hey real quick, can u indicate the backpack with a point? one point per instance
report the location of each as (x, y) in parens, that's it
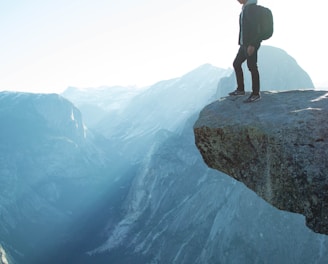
(265, 22)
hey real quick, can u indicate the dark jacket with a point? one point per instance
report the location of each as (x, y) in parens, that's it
(248, 27)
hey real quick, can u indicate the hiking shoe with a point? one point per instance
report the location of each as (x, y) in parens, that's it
(253, 98)
(237, 93)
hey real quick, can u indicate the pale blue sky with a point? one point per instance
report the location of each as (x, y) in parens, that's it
(48, 45)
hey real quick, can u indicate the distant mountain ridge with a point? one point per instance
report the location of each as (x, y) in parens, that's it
(164, 105)
(96, 103)
(182, 96)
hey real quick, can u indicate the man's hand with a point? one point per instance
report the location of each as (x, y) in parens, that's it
(250, 50)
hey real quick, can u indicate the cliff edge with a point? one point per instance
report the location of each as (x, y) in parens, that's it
(278, 147)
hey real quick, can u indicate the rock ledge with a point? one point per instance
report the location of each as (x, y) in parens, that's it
(278, 147)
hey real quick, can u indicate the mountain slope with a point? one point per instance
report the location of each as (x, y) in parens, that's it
(53, 173)
(96, 103)
(165, 105)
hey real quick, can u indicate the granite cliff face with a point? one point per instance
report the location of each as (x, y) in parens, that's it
(278, 147)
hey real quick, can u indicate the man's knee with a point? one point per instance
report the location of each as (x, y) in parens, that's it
(236, 65)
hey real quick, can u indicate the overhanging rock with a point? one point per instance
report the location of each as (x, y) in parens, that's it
(278, 147)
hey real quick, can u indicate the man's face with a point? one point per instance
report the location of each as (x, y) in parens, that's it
(242, 1)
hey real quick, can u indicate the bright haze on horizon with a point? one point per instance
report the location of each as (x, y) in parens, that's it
(48, 45)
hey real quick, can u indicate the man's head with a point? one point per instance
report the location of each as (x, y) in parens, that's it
(242, 1)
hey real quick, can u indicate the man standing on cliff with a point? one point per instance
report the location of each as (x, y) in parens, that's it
(249, 43)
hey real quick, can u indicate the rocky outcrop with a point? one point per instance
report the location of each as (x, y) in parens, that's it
(3, 258)
(278, 147)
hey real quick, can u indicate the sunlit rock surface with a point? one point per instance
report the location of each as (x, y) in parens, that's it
(3, 257)
(278, 147)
